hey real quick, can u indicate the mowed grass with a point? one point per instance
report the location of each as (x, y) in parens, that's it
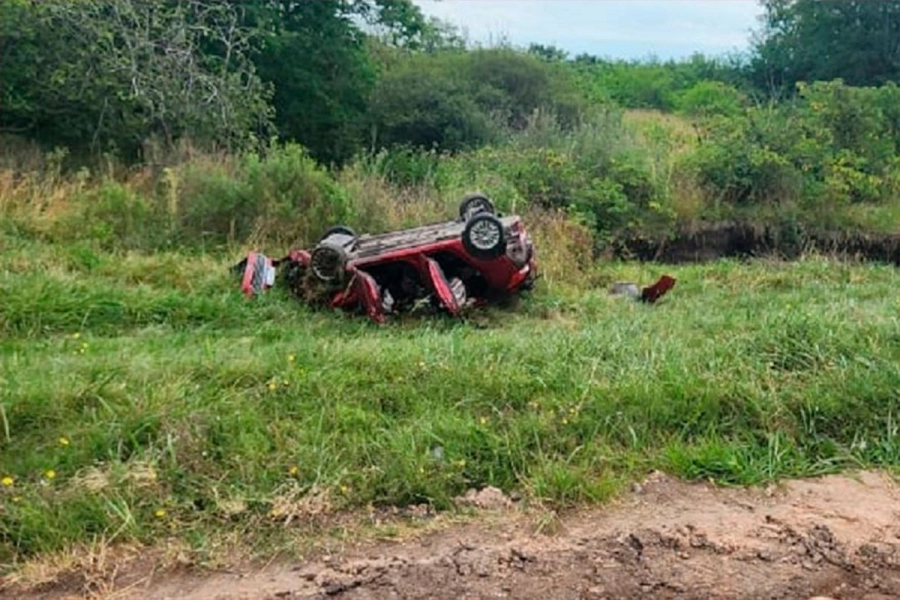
(143, 398)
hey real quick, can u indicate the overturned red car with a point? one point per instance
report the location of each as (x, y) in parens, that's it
(480, 256)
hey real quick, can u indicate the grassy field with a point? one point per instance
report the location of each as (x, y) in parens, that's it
(143, 398)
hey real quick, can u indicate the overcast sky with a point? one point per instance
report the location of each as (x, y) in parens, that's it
(606, 28)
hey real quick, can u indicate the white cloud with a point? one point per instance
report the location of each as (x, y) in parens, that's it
(620, 28)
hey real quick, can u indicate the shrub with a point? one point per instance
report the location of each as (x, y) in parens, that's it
(832, 145)
(283, 195)
(212, 202)
(118, 215)
(298, 198)
(111, 213)
(453, 101)
(516, 85)
(589, 173)
(405, 166)
(426, 102)
(708, 98)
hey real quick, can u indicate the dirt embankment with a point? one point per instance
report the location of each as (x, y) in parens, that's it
(837, 536)
(743, 240)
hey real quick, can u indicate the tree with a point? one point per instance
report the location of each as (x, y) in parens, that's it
(111, 74)
(454, 100)
(396, 22)
(549, 53)
(809, 40)
(313, 55)
(316, 56)
(426, 101)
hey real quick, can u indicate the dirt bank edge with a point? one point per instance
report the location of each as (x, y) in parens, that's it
(835, 536)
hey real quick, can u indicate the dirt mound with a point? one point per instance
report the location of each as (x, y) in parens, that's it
(838, 536)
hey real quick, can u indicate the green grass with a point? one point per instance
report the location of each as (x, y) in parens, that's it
(147, 383)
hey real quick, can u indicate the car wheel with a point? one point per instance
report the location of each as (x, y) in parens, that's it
(483, 237)
(475, 204)
(342, 229)
(327, 263)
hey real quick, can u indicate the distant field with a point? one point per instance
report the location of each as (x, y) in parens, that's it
(142, 397)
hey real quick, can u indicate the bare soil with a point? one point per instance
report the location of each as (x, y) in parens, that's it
(741, 240)
(836, 536)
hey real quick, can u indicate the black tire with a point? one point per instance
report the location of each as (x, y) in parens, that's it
(327, 262)
(339, 229)
(475, 204)
(484, 237)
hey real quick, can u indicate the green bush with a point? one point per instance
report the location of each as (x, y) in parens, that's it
(737, 170)
(708, 98)
(283, 195)
(832, 145)
(653, 84)
(213, 203)
(865, 139)
(299, 198)
(112, 214)
(453, 101)
(426, 103)
(593, 172)
(516, 85)
(404, 165)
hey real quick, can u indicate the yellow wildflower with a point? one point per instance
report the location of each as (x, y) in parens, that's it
(63, 441)
(160, 513)
(294, 471)
(7, 481)
(49, 474)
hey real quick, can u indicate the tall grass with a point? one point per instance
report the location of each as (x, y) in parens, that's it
(619, 176)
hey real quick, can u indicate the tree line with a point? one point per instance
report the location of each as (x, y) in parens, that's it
(343, 77)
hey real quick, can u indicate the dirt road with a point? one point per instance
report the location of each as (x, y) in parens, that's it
(837, 536)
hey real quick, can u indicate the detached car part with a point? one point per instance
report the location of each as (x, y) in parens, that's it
(469, 261)
(649, 294)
